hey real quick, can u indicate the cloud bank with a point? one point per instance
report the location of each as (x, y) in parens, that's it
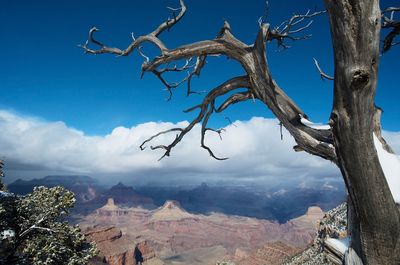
(33, 147)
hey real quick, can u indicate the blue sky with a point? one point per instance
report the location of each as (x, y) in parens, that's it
(43, 72)
(44, 76)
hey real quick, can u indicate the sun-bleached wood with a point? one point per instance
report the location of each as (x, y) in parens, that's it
(355, 29)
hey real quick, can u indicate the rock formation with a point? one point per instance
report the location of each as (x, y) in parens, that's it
(332, 226)
(171, 231)
(126, 195)
(118, 249)
(170, 211)
(109, 206)
(272, 254)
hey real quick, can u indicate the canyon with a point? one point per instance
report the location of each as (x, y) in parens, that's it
(278, 203)
(174, 236)
(198, 225)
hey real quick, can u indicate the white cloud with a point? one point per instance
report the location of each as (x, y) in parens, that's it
(254, 149)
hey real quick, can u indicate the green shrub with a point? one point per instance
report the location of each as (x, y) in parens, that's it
(33, 229)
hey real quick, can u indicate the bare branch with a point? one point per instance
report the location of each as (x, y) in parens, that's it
(36, 226)
(206, 110)
(151, 37)
(200, 62)
(186, 67)
(171, 22)
(389, 22)
(204, 129)
(322, 73)
(390, 10)
(219, 131)
(169, 86)
(257, 80)
(175, 68)
(224, 30)
(33, 227)
(388, 42)
(192, 108)
(146, 58)
(263, 19)
(264, 88)
(292, 26)
(353, 53)
(230, 121)
(158, 134)
(235, 98)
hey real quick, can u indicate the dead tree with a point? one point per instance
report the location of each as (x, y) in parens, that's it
(355, 29)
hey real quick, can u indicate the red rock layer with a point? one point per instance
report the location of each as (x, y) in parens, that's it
(118, 249)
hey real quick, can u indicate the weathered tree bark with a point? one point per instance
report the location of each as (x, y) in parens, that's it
(355, 27)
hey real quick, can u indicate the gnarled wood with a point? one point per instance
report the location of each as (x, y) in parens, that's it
(261, 85)
(355, 27)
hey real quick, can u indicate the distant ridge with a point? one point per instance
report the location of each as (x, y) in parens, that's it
(23, 187)
(85, 188)
(125, 196)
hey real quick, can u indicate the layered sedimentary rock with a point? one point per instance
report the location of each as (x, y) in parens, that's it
(272, 254)
(275, 253)
(170, 230)
(118, 249)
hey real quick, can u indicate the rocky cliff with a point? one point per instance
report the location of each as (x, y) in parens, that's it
(125, 195)
(332, 226)
(272, 254)
(170, 230)
(118, 249)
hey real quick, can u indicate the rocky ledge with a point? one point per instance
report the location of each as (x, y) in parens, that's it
(118, 249)
(332, 228)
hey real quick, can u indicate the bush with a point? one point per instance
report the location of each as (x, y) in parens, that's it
(33, 229)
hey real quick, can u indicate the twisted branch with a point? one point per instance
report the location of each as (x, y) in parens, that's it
(258, 81)
(293, 25)
(389, 22)
(235, 98)
(151, 37)
(196, 69)
(206, 109)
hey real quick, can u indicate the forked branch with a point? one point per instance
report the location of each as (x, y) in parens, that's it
(36, 226)
(206, 109)
(151, 37)
(389, 21)
(288, 29)
(257, 83)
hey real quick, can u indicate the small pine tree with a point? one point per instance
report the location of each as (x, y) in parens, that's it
(32, 229)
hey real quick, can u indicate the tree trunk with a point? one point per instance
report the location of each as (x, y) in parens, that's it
(355, 29)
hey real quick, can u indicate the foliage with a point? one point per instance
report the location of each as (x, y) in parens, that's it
(33, 230)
